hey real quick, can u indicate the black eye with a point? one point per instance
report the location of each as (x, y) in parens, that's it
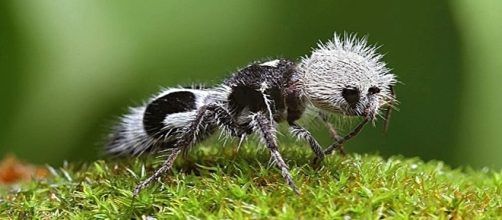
(373, 90)
(351, 95)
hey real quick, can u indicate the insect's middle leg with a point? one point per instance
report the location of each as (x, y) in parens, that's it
(302, 133)
(267, 132)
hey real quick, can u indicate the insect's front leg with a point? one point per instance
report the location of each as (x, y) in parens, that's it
(267, 131)
(302, 133)
(347, 137)
(332, 130)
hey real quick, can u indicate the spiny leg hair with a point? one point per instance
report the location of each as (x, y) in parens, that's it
(267, 132)
(167, 165)
(211, 114)
(224, 119)
(206, 115)
(302, 133)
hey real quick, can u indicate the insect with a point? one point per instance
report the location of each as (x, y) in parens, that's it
(342, 76)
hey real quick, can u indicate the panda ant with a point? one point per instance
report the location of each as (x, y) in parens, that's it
(343, 76)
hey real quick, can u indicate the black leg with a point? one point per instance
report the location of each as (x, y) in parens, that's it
(352, 134)
(302, 133)
(196, 131)
(388, 110)
(207, 116)
(334, 134)
(168, 164)
(225, 120)
(267, 131)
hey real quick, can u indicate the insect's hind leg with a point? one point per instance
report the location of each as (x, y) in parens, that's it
(167, 165)
(267, 130)
(195, 132)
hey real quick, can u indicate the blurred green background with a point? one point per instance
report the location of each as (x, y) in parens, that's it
(68, 69)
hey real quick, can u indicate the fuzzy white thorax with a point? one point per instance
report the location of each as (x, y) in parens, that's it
(345, 62)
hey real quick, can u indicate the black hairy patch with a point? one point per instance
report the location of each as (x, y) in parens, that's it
(373, 90)
(244, 96)
(351, 95)
(248, 83)
(160, 108)
(295, 107)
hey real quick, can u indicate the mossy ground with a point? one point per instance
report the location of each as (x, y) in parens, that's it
(220, 183)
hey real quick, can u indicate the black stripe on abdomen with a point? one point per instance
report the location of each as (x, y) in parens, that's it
(160, 108)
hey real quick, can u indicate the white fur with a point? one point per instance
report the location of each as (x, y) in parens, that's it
(272, 63)
(263, 88)
(340, 63)
(134, 139)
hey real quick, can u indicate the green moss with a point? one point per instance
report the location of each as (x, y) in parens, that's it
(219, 183)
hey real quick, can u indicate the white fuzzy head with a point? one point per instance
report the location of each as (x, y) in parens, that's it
(346, 76)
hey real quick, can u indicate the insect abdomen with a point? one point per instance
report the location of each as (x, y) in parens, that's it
(156, 125)
(158, 111)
